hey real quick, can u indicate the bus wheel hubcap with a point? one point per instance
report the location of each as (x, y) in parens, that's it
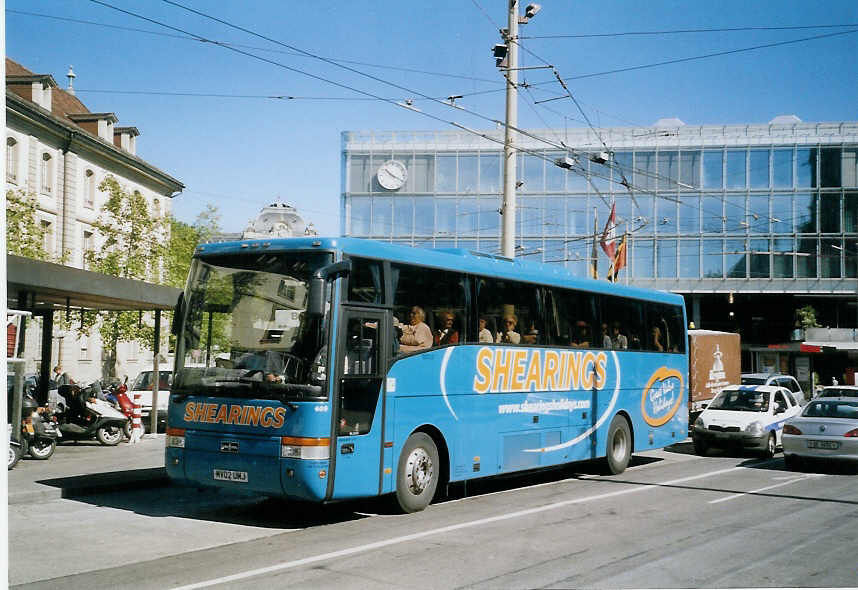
(619, 446)
(418, 471)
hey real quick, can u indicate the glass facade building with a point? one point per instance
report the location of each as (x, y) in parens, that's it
(749, 222)
(733, 208)
(753, 224)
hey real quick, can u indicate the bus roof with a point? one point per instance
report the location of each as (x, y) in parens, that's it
(461, 260)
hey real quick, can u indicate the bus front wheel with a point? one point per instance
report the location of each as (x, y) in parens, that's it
(619, 451)
(417, 474)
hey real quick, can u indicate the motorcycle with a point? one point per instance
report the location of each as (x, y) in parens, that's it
(86, 414)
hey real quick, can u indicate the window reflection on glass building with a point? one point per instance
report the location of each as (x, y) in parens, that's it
(767, 209)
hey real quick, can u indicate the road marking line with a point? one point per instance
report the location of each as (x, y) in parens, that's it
(777, 485)
(446, 529)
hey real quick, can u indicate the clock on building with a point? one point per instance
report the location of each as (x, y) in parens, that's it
(392, 175)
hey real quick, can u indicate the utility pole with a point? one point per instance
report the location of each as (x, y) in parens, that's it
(509, 155)
(507, 61)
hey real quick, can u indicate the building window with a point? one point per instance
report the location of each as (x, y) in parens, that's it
(84, 348)
(737, 169)
(759, 168)
(782, 169)
(86, 247)
(11, 160)
(47, 236)
(89, 189)
(156, 208)
(47, 171)
(713, 170)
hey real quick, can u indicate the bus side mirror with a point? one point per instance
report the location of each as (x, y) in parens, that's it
(316, 297)
(177, 314)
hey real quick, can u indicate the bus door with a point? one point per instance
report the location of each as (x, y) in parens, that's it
(364, 338)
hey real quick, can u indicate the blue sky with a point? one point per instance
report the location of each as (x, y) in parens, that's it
(241, 151)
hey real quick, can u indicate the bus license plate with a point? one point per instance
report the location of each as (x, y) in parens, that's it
(230, 475)
(822, 444)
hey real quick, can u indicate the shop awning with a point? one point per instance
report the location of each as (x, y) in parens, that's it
(828, 346)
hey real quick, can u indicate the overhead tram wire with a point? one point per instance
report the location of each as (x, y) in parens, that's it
(709, 55)
(686, 31)
(340, 85)
(252, 47)
(365, 93)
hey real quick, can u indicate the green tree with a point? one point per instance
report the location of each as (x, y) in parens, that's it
(25, 235)
(130, 243)
(184, 238)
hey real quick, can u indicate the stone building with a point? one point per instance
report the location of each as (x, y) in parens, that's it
(59, 151)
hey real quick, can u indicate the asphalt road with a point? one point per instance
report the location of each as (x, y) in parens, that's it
(671, 520)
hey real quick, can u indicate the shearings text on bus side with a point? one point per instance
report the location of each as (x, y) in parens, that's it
(244, 415)
(522, 370)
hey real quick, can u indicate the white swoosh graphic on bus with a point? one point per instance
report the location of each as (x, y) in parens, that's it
(595, 426)
(447, 354)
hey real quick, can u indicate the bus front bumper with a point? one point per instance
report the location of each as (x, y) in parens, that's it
(298, 479)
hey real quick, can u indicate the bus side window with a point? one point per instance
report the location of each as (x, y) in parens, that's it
(629, 314)
(512, 302)
(436, 292)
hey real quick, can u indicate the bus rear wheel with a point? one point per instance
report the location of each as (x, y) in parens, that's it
(417, 473)
(619, 446)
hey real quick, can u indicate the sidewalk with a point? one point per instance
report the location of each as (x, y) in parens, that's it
(87, 467)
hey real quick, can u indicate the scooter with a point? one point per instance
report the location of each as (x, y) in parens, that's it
(15, 450)
(85, 416)
(118, 396)
(39, 432)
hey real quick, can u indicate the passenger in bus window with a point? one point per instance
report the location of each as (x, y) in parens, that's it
(416, 335)
(655, 339)
(485, 335)
(581, 339)
(532, 335)
(508, 335)
(619, 340)
(447, 334)
(606, 337)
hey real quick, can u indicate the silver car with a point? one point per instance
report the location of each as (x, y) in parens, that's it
(839, 391)
(826, 429)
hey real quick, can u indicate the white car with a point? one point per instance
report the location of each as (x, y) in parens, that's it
(143, 386)
(745, 416)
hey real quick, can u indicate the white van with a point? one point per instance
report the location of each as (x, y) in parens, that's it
(143, 385)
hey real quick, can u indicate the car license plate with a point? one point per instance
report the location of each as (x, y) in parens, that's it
(822, 444)
(230, 475)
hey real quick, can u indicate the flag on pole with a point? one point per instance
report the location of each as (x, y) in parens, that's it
(619, 259)
(609, 235)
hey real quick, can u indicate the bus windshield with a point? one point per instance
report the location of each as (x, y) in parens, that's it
(245, 331)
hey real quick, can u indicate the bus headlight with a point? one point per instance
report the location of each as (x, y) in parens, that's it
(754, 428)
(295, 447)
(175, 438)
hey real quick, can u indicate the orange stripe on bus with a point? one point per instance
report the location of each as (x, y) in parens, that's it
(300, 441)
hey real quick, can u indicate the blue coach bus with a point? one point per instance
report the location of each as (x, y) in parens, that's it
(324, 369)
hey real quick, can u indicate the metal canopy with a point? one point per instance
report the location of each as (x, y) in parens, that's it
(35, 286)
